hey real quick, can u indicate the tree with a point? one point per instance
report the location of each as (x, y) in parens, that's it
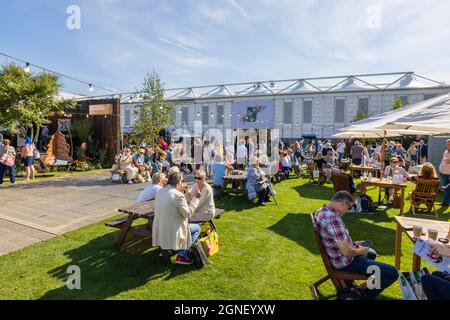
(28, 99)
(154, 113)
(397, 104)
(361, 114)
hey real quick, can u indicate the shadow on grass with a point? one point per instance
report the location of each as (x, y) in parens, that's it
(107, 271)
(297, 227)
(314, 191)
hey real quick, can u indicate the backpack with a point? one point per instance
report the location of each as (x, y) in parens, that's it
(364, 204)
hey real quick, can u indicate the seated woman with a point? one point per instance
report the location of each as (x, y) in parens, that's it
(392, 170)
(171, 227)
(149, 193)
(220, 170)
(319, 160)
(256, 183)
(126, 163)
(427, 172)
(328, 163)
(206, 209)
(375, 161)
(148, 161)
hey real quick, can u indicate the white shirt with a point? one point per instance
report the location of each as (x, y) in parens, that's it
(341, 147)
(229, 151)
(286, 162)
(149, 193)
(207, 153)
(444, 167)
(242, 152)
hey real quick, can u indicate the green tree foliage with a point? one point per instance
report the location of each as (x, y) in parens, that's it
(361, 114)
(154, 113)
(397, 104)
(28, 99)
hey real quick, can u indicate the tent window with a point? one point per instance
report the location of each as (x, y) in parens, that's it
(429, 96)
(339, 111)
(219, 114)
(127, 117)
(185, 116)
(287, 112)
(404, 100)
(205, 115)
(307, 111)
(363, 105)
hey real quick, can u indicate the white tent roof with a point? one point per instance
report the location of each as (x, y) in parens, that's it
(221, 91)
(303, 86)
(377, 122)
(352, 83)
(408, 81)
(435, 118)
(259, 89)
(187, 94)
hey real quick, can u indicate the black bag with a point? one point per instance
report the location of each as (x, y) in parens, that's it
(366, 203)
(351, 294)
(197, 253)
(260, 186)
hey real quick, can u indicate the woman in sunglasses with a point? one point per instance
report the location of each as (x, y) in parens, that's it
(394, 169)
(206, 209)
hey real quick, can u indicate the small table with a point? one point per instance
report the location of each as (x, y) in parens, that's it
(405, 224)
(375, 171)
(383, 183)
(237, 182)
(143, 210)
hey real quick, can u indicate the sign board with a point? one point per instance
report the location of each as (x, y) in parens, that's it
(100, 109)
(252, 114)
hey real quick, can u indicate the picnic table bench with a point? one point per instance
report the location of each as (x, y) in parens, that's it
(145, 211)
(237, 182)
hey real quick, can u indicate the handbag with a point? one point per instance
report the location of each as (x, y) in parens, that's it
(260, 186)
(8, 160)
(210, 243)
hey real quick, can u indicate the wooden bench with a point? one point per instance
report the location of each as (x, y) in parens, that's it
(122, 175)
(145, 211)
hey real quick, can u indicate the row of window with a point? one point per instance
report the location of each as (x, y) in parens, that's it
(288, 110)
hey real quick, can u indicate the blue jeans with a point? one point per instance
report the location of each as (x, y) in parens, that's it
(195, 231)
(436, 287)
(388, 273)
(445, 180)
(3, 168)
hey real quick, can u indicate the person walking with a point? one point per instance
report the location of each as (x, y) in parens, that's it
(27, 153)
(444, 171)
(6, 151)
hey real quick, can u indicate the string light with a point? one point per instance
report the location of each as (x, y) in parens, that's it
(212, 115)
(91, 88)
(87, 116)
(198, 113)
(7, 110)
(27, 66)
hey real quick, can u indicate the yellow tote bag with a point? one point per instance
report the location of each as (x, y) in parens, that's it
(210, 243)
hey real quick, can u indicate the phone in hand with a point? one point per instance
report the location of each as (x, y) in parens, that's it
(367, 244)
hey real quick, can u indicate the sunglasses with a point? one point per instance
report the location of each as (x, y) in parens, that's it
(198, 178)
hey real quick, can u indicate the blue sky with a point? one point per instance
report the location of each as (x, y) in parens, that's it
(201, 42)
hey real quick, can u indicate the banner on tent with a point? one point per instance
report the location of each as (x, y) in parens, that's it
(252, 114)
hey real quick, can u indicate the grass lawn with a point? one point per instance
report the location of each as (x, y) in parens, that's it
(266, 253)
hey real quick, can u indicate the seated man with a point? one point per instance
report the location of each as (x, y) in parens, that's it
(206, 209)
(149, 193)
(220, 169)
(346, 255)
(139, 161)
(437, 286)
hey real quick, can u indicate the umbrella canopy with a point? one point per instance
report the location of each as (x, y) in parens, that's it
(356, 134)
(435, 119)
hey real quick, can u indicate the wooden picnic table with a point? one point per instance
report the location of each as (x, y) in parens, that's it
(375, 171)
(143, 210)
(405, 224)
(384, 183)
(237, 182)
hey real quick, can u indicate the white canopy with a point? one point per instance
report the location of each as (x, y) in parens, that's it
(378, 122)
(435, 119)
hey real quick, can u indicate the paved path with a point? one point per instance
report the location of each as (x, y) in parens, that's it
(30, 213)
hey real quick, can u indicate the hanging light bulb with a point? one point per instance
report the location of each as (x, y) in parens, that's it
(87, 116)
(91, 88)
(27, 67)
(212, 115)
(198, 114)
(180, 112)
(106, 116)
(7, 110)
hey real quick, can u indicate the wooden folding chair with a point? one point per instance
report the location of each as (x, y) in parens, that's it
(341, 182)
(425, 193)
(338, 278)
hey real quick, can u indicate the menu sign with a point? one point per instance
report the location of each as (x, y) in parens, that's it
(100, 109)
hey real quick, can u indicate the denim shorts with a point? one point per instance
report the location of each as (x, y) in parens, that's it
(28, 161)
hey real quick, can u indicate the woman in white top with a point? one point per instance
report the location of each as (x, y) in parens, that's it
(126, 164)
(392, 170)
(241, 155)
(366, 156)
(149, 193)
(229, 153)
(208, 156)
(206, 209)
(444, 170)
(341, 150)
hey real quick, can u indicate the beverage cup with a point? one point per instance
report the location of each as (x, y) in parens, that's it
(433, 234)
(417, 231)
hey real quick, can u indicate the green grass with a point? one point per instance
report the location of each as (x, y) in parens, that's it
(266, 253)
